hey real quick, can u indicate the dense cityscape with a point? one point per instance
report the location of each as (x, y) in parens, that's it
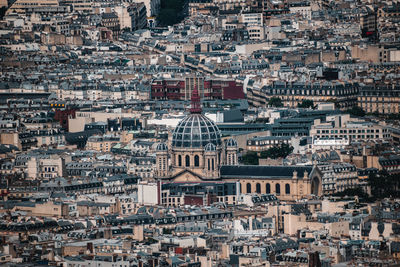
(199, 133)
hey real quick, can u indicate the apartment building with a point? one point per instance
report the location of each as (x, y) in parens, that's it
(381, 98)
(343, 126)
(102, 143)
(337, 177)
(261, 143)
(344, 94)
(181, 88)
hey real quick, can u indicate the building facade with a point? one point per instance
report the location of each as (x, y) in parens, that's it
(343, 126)
(344, 94)
(182, 88)
(380, 98)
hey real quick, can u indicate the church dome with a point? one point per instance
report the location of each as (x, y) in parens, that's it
(196, 131)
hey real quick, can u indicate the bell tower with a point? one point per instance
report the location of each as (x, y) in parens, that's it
(162, 169)
(231, 152)
(211, 166)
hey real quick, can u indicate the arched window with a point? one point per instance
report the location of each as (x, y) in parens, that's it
(278, 189)
(248, 188)
(268, 188)
(212, 165)
(240, 188)
(196, 161)
(187, 160)
(179, 160)
(287, 189)
(258, 188)
(208, 164)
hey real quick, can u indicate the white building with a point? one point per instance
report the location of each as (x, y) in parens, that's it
(301, 8)
(329, 143)
(353, 129)
(148, 193)
(252, 19)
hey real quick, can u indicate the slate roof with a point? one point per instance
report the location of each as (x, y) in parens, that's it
(255, 171)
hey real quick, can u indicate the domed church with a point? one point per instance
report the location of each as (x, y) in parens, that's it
(197, 151)
(198, 154)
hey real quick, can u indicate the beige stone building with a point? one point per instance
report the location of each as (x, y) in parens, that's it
(286, 182)
(381, 98)
(56, 209)
(344, 94)
(10, 138)
(293, 223)
(101, 143)
(22, 6)
(50, 167)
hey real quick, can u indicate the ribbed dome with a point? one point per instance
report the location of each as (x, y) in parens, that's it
(196, 130)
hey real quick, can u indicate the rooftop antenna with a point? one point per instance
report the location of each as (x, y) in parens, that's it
(196, 106)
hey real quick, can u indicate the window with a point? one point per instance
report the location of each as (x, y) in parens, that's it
(268, 188)
(248, 188)
(287, 189)
(196, 161)
(187, 160)
(258, 188)
(278, 189)
(179, 160)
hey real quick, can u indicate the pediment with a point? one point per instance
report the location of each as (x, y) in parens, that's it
(186, 176)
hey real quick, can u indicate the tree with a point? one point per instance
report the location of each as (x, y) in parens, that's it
(276, 152)
(306, 104)
(167, 231)
(275, 102)
(150, 241)
(262, 120)
(352, 192)
(384, 184)
(171, 12)
(356, 111)
(2, 12)
(334, 101)
(167, 17)
(394, 116)
(250, 158)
